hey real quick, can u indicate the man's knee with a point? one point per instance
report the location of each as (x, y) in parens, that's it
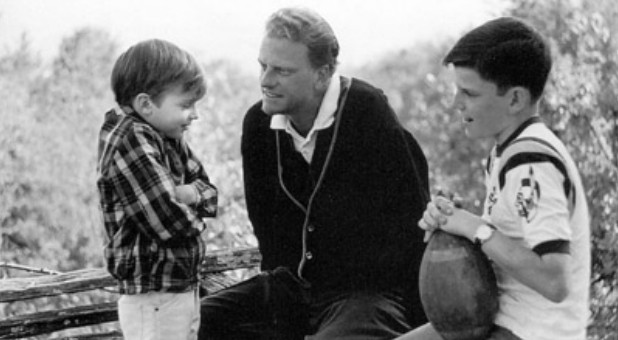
(361, 316)
(263, 307)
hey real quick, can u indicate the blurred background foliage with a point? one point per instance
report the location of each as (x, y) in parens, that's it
(51, 112)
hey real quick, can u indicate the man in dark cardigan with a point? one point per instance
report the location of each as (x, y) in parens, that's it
(335, 187)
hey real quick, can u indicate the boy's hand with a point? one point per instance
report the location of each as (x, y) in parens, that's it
(186, 194)
(436, 215)
(462, 223)
(451, 196)
(438, 210)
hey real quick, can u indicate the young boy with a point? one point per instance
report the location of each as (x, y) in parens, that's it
(535, 225)
(154, 192)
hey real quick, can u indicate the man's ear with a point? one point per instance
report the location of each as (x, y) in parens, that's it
(142, 104)
(324, 73)
(519, 99)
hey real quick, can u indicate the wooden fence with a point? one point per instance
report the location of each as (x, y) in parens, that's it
(56, 284)
(14, 290)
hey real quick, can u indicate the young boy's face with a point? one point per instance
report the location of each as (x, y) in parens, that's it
(484, 112)
(174, 113)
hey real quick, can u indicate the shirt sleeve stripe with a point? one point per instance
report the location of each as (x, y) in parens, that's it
(535, 157)
(528, 150)
(554, 246)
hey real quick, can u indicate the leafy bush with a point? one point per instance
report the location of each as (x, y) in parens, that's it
(50, 120)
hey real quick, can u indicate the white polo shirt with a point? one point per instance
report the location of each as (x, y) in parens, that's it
(527, 200)
(323, 120)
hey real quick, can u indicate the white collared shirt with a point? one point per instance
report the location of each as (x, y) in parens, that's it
(324, 119)
(531, 207)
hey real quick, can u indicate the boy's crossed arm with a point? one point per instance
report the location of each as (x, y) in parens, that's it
(149, 194)
(200, 195)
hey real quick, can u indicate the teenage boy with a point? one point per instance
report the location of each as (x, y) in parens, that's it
(535, 224)
(154, 192)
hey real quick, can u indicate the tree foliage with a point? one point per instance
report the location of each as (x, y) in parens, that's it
(52, 113)
(216, 137)
(53, 126)
(17, 183)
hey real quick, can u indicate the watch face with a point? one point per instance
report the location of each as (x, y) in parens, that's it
(484, 232)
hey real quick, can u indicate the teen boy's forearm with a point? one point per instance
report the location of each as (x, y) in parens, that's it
(545, 274)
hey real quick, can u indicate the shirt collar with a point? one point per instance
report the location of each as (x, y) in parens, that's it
(500, 147)
(326, 113)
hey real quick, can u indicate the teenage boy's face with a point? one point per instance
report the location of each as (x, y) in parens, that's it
(288, 80)
(484, 112)
(174, 113)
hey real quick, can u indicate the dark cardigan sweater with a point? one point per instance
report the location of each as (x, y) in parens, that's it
(362, 231)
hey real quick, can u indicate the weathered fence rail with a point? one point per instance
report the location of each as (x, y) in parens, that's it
(19, 289)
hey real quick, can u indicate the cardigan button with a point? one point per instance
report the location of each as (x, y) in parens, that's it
(309, 255)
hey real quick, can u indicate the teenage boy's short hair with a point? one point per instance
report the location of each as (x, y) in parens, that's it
(308, 28)
(152, 67)
(507, 52)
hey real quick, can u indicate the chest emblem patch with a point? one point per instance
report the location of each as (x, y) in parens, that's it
(528, 197)
(492, 199)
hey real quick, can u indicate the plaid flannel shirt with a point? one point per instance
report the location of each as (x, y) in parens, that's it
(154, 241)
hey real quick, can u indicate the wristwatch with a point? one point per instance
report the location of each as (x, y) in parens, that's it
(483, 234)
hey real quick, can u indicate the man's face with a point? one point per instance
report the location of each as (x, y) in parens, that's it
(484, 111)
(288, 81)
